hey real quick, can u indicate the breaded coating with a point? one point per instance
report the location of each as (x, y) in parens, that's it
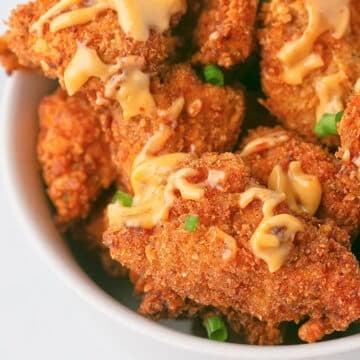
(162, 303)
(52, 51)
(159, 302)
(340, 199)
(88, 234)
(73, 154)
(225, 31)
(210, 119)
(319, 280)
(349, 131)
(252, 330)
(284, 21)
(7, 58)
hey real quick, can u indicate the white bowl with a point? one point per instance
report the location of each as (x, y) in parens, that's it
(22, 179)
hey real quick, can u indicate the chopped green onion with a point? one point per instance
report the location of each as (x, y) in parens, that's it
(213, 75)
(191, 223)
(327, 124)
(216, 328)
(124, 198)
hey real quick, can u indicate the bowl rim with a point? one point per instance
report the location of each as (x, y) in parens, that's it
(76, 279)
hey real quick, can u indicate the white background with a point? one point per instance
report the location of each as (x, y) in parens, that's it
(40, 318)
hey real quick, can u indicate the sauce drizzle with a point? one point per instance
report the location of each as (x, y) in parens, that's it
(136, 17)
(273, 239)
(297, 56)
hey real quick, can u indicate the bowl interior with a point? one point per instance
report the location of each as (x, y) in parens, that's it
(114, 297)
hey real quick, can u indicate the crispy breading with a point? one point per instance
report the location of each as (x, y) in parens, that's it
(159, 303)
(340, 189)
(225, 31)
(349, 129)
(210, 120)
(73, 154)
(53, 51)
(7, 58)
(295, 105)
(319, 281)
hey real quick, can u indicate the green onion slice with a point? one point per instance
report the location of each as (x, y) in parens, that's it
(327, 124)
(216, 328)
(213, 75)
(124, 198)
(191, 223)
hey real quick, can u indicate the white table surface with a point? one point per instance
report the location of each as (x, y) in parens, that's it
(40, 318)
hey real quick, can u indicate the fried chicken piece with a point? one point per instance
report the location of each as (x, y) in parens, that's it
(7, 58)
(159, 302)
(52, 52)
(73, 154)
(162, 303)
(225, 31)
(296, 105)
(340, 199)
(88, 234)
(319, 280)
(252, 330)
(349, 131)
(209, 120)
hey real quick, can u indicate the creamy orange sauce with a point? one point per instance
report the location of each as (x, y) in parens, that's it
(154, 180)
(356, 162)
(214, 179)
(273, 239)
(264, 143)
(84, 65)
(357, 86)
(55, 10)
(78, 16)
(297, 56)
(172, 114)
(154, 145)
(134, 94)
(136, 17)
(124, 81)
(153, 194)
(330, 92)
(303, 191)
(229, 244)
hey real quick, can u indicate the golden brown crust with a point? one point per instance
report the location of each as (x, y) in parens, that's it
(73, 154)
(320, 279)
(295, 105)
(225, 32)
(252, 330)
(349, 127)
(341, 190)
(162, 303)
(212, 125)
(53, 51)
(7, 58)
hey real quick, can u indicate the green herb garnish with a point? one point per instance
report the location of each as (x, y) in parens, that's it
(191, 223)
(327, 124)
(213, 75)
(216, 328)
(124, 198)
